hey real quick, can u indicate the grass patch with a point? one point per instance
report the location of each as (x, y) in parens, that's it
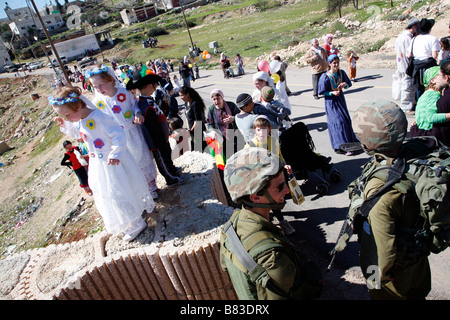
(51, 137)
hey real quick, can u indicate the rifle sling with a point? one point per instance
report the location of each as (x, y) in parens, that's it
(395, 173)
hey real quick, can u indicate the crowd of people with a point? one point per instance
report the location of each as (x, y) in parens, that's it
(134, 128)
(423, 78)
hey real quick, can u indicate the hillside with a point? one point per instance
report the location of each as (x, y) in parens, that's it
(41, 202)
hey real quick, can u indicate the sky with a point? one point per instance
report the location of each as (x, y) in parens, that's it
(15, 4)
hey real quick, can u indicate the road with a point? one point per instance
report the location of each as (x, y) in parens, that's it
(318, 220)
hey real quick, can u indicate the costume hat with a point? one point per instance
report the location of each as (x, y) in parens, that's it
(138, 80)
(426, 25)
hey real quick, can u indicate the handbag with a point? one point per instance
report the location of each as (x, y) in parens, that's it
(410, 69)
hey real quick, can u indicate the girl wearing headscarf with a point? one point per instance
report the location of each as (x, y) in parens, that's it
(331, 85)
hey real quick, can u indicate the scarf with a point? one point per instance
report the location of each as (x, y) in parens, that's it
(218, 117)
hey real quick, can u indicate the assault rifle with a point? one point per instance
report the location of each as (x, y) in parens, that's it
(359, 208)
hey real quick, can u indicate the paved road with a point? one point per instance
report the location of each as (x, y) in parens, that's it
(319, 219)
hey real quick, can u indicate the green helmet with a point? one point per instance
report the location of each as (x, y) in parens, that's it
(249, 171)
(380, 125)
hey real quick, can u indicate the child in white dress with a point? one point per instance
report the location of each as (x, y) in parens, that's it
(118, 102)
(120, 191)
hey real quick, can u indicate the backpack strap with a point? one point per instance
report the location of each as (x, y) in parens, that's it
(394, 175)
(255, 271)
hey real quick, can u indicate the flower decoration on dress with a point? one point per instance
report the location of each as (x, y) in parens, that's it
(72, 97)
(98, 143)
(121, 97)
(95, 71)
(116, 109)
(83, 136)
(101, 105)
(90, 124)
(128, 114)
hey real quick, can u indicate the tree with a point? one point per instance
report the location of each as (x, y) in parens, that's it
(336, 5)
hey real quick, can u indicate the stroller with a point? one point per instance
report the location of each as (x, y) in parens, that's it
(297, 149)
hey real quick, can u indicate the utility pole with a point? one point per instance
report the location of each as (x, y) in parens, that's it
(51, 44)
(187, 27)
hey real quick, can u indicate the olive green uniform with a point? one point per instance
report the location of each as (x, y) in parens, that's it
(281, 264)
(405, 274)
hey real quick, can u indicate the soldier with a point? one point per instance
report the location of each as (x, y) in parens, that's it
(393, 266)
(261, 262)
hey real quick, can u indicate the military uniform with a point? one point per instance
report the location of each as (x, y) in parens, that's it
(281, 264)
(392, 261)
(260, 261)
(403, 275)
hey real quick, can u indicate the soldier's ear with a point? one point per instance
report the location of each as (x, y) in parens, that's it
(255, 197)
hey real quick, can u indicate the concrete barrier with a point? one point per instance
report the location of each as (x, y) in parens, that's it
(85, 270)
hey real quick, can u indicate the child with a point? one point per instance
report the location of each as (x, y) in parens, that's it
(262, 139)
(84, 154)
(197, 72)
(445, 50)
(426, 109)
(282, 113)
(156, 127)
(119, 188)
(71, 161)
(179, 138)
(120, 104)
(177, 85)
(351, 59)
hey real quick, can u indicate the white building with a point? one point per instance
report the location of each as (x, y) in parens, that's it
(138, 14)
(78, 47)
(23, 19)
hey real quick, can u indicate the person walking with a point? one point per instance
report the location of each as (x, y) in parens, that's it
(317, 57)
(331, 85)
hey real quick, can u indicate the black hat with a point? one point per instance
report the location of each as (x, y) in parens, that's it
(138, 81)
(243, 99)
(425, 25)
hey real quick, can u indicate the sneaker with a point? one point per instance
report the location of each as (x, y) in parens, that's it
(287, 228)
(131, 236)
(88, 191)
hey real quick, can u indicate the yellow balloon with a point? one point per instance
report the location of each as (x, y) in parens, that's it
(190, 65)
(275, 77)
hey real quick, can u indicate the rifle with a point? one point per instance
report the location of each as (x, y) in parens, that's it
(360, 208)
(344, 237)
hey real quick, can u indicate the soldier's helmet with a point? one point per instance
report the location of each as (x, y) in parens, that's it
(250, 170)
(380, 125)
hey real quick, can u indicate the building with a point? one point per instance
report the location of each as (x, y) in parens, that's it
(23, 21)
(5, 59)
(138, 14)
(78, 47)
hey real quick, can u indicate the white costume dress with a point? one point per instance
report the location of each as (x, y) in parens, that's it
(120, 191)
(123, 107)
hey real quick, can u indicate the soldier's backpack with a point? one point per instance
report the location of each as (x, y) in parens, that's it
(424, 167)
